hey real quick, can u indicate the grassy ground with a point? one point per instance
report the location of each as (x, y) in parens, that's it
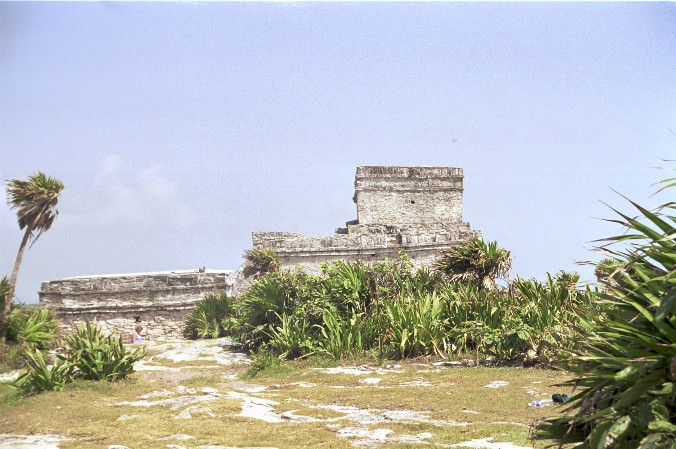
(452, 404)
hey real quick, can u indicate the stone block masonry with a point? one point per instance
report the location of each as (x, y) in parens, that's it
(159, 302)
(417, 209)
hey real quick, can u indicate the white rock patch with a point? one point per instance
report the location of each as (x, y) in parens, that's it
(486, 443)
(363, 437)
(31, 441)
(204, 350)
(370, 380)
(361, 370)
(257, 408)
(497, 384)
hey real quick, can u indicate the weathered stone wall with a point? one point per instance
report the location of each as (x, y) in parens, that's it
(159, 302)
(417, 209)
(406, 196)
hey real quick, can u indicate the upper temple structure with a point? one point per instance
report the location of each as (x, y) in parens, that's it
(417, 209)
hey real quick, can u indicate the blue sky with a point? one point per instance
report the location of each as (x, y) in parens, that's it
(180, 128)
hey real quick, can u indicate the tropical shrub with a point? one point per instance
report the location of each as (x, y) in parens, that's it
(260, 261)
(626, 370)
(342, 336)
(263, 360)
(209, 318)
(93, 356)
(12, 357)
(292, 338)
(31, 326)
(42, 377)
(393, 309)
(415, 326)
(558, 313)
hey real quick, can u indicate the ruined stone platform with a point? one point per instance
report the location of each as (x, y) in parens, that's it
(158, 301)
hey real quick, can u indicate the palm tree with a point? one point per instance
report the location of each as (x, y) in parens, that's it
(477, 262)
(35, 201)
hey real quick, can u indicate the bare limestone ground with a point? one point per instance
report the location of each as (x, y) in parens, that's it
(194, 395)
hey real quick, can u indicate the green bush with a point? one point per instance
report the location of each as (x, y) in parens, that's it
(31, 326)
(42, 377)
(343, 336)
(95, 357)
(415, 326)
(209, 318)
(292, 338)
(626, 370)
(260, 261)
(12, 357)
(397, 311)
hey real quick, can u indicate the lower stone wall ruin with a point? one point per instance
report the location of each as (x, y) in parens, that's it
(159, 302)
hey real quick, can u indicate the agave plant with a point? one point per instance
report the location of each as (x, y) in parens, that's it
(340, 336)
(416, 326)
(627, 368)
(292, 338)
(94, 356)
(42, 377)
(34, 327)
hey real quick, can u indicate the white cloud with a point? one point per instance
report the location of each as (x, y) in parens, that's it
(123, 195)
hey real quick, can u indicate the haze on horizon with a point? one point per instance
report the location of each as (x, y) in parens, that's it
(180, 128)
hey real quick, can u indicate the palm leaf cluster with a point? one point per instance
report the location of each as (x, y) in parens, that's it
(209, 318)
(627, 368)
(477, 262)
(35, 202)
(260, 261)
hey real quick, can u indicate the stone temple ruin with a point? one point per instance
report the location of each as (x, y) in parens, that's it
(417, 209)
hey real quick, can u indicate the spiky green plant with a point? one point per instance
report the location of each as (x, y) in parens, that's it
(343, 336)
(476, 261)
(33, 327)
(292, 338)
(415, 326)
(94, 356)
(348, 284)
(42, 377)
(207, 318)
(627, 367)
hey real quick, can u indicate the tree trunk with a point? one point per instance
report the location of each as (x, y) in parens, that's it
(4, 315)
